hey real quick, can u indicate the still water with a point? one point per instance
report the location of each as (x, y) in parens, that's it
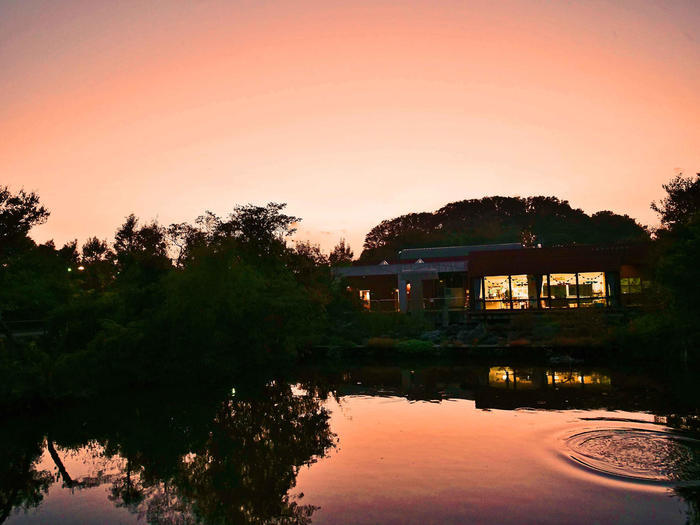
(406, 443)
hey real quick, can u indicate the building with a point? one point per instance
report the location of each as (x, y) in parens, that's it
(501, 277)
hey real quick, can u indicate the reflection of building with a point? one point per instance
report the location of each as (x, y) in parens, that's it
(532, 378)
(504, 387)
(501, 277)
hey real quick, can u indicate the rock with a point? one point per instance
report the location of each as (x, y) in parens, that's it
(434, 336)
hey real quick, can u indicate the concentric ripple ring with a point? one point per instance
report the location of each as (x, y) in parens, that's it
(644, 455)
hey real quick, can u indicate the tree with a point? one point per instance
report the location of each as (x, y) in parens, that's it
(19, 213)
(682, 201)
(532, 220)
(676, 272)
(144, 246)
(341, 255)
(95, 250)
(260, 230)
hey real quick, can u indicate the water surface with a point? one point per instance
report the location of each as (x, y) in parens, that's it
(407, 443)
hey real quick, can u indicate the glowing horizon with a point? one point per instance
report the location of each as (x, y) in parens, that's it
(349, 113)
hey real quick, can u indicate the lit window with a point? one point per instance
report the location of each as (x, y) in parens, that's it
(523, 290)
(591, 288)
(561, 290)
(497, 292)
(365, 298)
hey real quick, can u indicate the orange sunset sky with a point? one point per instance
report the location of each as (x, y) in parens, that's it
(351, 112)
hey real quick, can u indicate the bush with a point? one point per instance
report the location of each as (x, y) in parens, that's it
(414, 346)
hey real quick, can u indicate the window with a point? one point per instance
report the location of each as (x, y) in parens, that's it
(631, 285)
(497, 292)
(365, 298)
(560, 291)
(556, 290)
(631, 289)
(591, 288)
(523, 289)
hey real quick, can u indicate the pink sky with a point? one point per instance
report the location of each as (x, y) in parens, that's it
(351, 112)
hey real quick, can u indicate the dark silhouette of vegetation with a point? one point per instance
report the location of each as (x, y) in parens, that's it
(671, 321)
(532, 220)
(203, 300)
(18, 214)
(341, 255)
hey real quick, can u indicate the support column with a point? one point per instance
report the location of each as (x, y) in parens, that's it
(403, 298)
(416, 299)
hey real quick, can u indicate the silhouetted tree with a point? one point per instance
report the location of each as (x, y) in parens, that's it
(533, 220)
(19, 212)
(681, 202)
(95, 250)
(260, 230)
(341, 255)
(676, 267)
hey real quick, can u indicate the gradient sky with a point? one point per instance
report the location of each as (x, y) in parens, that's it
(351, 112)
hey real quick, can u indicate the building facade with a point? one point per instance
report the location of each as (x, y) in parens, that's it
(501, 277)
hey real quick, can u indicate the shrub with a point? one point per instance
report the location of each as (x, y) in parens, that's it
(414, 346)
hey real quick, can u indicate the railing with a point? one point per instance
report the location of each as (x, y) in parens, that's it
(383, 305)
(442, 303)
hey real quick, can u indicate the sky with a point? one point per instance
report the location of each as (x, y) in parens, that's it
(350, 112)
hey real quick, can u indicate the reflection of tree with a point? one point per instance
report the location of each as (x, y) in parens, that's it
(691, 495)
(252, 458)
(21, 484)
(240, 471)
(128, 491)
(175, 459)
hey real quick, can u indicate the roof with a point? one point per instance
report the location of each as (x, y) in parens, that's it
(445, 252)
(577, 258)
(396, 269)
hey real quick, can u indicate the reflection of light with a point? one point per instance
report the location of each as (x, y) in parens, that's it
(505, 376)
(233, 391)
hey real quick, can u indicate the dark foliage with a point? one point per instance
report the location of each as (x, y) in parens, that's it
(533, 220)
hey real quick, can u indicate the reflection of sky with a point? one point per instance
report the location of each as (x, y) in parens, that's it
(449, 462)
(404, 462)
(351, 112)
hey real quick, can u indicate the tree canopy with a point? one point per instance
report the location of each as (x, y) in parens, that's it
(532, 220)
(19, 213)
(681, 202)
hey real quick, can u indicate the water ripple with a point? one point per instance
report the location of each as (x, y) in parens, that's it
(644, 455)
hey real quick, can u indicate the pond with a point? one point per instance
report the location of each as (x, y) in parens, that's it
(368, 443)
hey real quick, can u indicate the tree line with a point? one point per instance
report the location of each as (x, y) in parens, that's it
(224, 294)
(548, 221)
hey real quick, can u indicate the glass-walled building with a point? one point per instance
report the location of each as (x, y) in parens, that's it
(555, 290)
(449, 280)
